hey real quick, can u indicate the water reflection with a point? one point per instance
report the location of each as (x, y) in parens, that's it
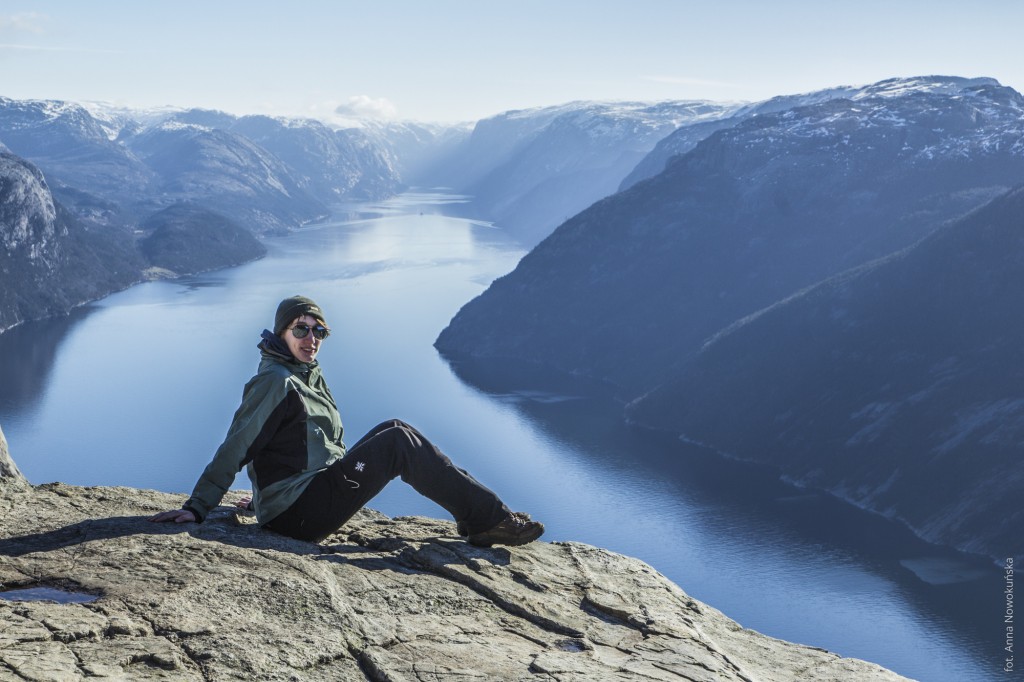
(49, 594)
(149, 408)
(860, 556)
(28, 352)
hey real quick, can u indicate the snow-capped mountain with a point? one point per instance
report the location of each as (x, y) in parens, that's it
(99, 154)
(119, 121)
(72, 148)
(421, 152)
(725, 243)
(529, 170)
(686, 138)
(137, 185)
(632, 286)
(226, 172)
(630, 290)
(329, 164)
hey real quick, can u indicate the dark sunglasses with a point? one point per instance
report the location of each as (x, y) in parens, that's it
(320, 332)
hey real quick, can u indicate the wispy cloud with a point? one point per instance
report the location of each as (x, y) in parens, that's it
(51, 48)
(16, 26)
(23, 22)
(687, 80)
(364, 106)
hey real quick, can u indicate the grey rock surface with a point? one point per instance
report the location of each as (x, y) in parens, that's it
(9, 471)
(383, 599)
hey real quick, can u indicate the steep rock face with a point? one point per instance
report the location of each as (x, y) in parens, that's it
(188, 239)
(226, 172)
(12, 484)
(395, 599)
(72, 147)
(28, 217)
(377, 175)
(9, 472)
(530, 170)
(48, 262)
(330, 165)
(421, 152)
(896, 386)
(628, 290)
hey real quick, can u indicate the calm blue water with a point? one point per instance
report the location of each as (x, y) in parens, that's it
(138, 390)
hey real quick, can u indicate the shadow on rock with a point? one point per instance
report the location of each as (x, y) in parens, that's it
(368, 533)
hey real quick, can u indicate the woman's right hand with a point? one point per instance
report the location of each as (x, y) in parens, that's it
(176, 515)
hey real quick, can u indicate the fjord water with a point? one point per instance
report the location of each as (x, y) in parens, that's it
(139, 388)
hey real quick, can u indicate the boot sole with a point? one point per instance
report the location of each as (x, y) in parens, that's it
(524, 539)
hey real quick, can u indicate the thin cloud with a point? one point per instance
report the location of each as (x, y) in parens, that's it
(687, 80)
(364, 106)
(24, 22)
(48, 48)
(34, 23)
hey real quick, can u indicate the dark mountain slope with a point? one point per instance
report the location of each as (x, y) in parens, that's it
(186, 239)
(899, 386)
(49, 263)
(628, 290)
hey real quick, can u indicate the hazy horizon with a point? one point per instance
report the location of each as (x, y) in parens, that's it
(455, 61)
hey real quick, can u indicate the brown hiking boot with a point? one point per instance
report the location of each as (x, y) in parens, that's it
(516, 529)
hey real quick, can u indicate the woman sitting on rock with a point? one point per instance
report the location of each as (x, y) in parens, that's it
(288, 434)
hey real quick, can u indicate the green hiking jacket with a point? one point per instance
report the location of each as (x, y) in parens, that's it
(286, 430)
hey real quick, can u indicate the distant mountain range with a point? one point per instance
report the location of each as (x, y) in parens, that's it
(630, 290)
(116, 170)
(530, 170)
(269, 174)
(822, 282)
(132, 195)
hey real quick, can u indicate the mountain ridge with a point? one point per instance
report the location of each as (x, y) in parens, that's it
(640, 288)
(750, 215)
(529, 169)
(908, 366)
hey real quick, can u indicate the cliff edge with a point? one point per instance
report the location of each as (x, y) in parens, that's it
(384, 599)
(11, 477)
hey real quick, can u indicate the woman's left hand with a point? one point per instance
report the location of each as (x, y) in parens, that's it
(175, 515)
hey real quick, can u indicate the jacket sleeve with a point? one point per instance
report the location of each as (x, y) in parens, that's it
(254, 423)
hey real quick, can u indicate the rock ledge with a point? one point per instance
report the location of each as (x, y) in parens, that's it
(384, 599)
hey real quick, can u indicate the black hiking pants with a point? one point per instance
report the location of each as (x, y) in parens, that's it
(389, 450)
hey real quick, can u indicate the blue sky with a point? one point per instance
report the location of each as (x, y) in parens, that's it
(452, 60)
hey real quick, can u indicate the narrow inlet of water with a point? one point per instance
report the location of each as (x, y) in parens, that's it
(139, 389)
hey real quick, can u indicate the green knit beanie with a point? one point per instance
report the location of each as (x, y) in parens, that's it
(293, 307)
